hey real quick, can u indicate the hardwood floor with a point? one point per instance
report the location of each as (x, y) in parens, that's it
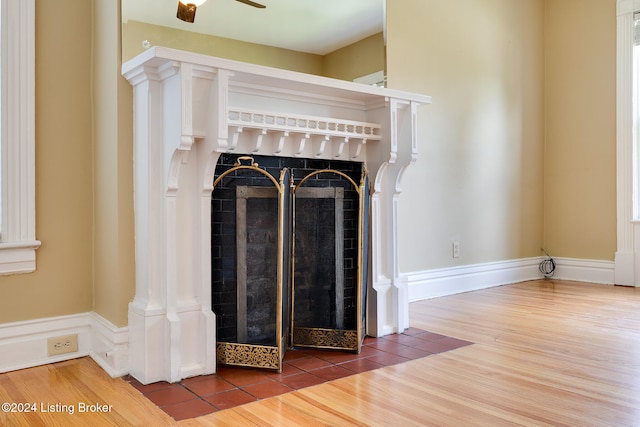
(545, 353)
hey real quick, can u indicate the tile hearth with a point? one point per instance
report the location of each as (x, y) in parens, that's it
(234, 386)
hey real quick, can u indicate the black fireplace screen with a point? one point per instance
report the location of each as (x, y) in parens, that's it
(288, 257)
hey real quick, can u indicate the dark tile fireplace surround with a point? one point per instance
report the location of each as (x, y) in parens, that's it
(314, 297)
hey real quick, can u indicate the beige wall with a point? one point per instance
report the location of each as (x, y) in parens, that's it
(479, 177)
(356, 60)
(518, 148)
(134, 33)
(114, 261)
(62, 283)
(580, 108)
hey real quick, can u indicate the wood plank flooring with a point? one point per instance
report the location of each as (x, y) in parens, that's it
(545, 353)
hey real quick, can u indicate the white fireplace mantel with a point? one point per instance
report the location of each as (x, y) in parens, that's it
(190, 108)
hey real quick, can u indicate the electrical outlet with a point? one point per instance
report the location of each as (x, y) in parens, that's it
(62, 345)
(455, 249)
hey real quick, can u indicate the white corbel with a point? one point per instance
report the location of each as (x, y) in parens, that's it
(235, 132)
(302, 142)
(281, 139)
(339, 147)
(259, 139)
(356, 148)
(321, 145)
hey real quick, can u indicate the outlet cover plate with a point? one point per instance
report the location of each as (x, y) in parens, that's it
(455, 246)
(62, 345)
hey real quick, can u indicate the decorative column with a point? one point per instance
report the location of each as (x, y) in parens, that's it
(389, 303)
(170, 318)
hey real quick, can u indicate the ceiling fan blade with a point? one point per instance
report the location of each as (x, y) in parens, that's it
(252, 3)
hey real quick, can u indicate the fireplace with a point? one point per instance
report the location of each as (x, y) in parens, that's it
(196, 115)
(289, 252)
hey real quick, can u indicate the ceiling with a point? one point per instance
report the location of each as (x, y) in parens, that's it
(314, 26)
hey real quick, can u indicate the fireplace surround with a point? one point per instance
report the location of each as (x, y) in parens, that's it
(189, 110)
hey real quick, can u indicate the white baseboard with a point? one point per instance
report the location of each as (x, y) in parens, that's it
(448, 281)
(24, 344)
(585, 270)
(110, 345)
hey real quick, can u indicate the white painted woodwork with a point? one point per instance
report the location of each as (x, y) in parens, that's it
(627, 255)
(18, 242)
(190, 108)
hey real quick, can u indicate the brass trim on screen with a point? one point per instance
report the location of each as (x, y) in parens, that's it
(257, 356)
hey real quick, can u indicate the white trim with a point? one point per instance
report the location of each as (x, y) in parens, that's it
(109, 345)
(449, 281)
(17, 140)
(24, 344)
(374, 79)
(627, 6)
(626, 166)
(585, 270)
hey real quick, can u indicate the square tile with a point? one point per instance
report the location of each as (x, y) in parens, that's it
(241, 377)
(268, 389)
(309, 363)
(404, 339)
(429, 336)
(197, 378)
(393, 337)
(443, 345)
(336, 357)
(413, 353)
(295, 354)
(287, 370)
(388, 359)
(332, 372)
(369, 340)
(456, 342)
(369, 351)
(210, 385)
(174, 394)
(361, 365)
(229, 399)
(302, 380)
(412, 331)
(189, 409)
(148, 387)
(388, 346)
